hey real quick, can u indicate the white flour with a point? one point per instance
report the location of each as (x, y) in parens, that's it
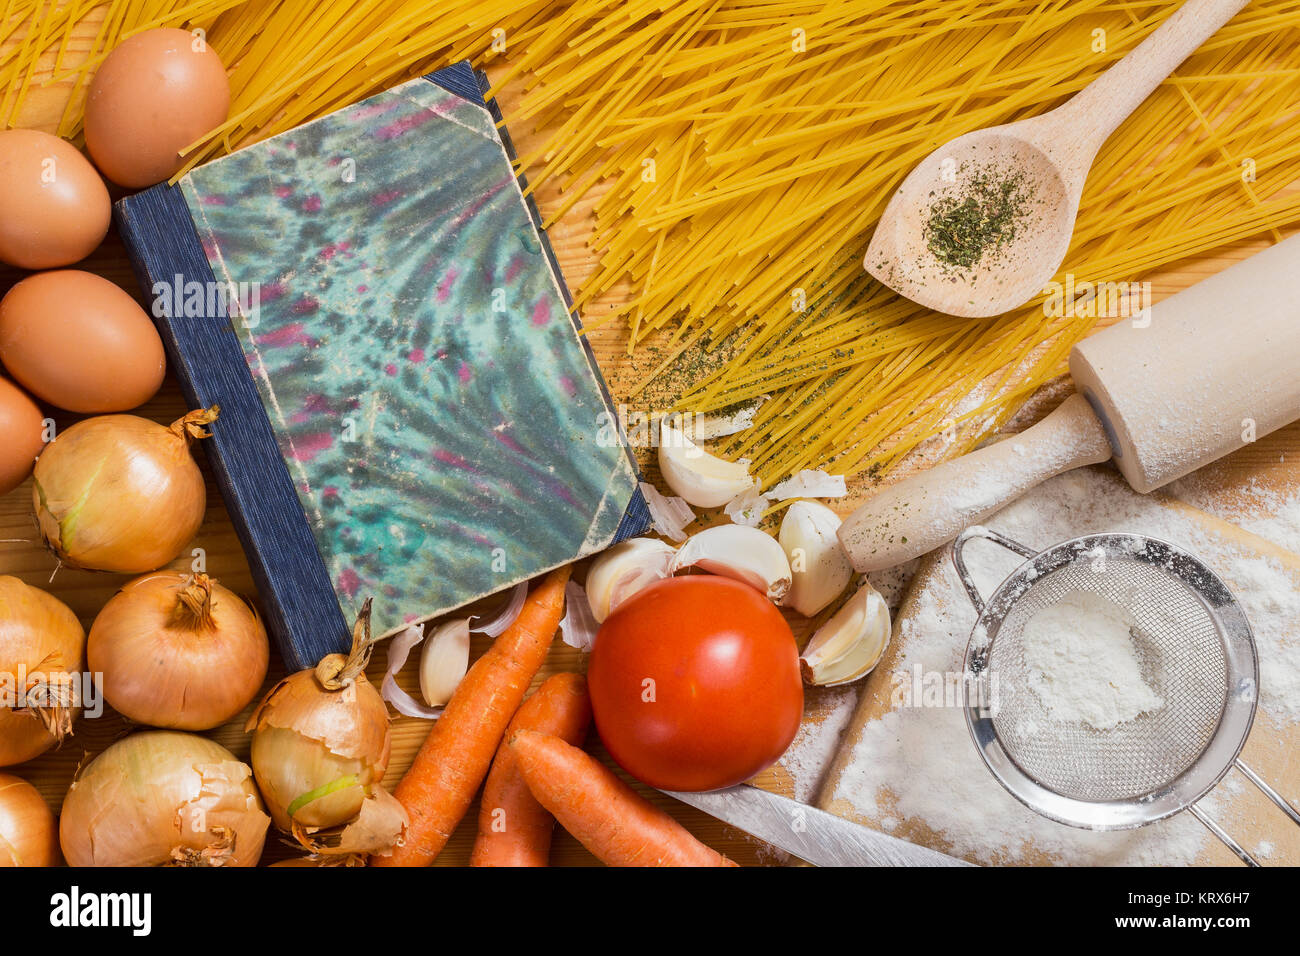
(810, 754)
(1082, 663)
(1271, 514)
(918, 762)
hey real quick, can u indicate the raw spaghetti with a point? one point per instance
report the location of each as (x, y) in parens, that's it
(744, 150)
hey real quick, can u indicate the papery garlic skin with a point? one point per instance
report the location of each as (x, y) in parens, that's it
(747, 508)
(670, 514)
(624, 569)
(702, 479)
(819, 568)
(851, 643)
(811, 483)
(735, 551)
(444, 661)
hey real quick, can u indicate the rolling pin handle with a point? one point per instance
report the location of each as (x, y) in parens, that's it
(929, 509)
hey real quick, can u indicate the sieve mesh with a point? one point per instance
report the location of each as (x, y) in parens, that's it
(1181, 657)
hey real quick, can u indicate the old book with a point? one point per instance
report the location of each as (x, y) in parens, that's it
(409, 411)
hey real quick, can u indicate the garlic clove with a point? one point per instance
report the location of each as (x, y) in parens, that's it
(735, 551)
(819, 568)
(704, 480)
(851, 643)
(444, 661)
(578, 627)
(623, 570)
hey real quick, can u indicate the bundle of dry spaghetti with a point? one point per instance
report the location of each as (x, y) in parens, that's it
(742, 150)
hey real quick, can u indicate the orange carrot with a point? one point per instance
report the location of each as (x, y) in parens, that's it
(607, 816)
(440, 785)
(513, 828)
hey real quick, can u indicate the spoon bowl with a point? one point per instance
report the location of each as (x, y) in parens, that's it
(1047, 158)
(1013, 264)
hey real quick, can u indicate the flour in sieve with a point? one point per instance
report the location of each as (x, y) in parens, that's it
(1082, 663)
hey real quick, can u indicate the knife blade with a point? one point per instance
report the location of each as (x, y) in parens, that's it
(812, 835)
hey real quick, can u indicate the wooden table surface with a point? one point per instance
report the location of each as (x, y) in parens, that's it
(85, 592)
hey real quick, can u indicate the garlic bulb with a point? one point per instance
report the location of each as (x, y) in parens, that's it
(735, 551)
(851, 643)
(444, 662)
(819, 568)
(623, 570)
(704, 480)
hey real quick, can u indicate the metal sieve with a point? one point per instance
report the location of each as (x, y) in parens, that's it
(1194, 649)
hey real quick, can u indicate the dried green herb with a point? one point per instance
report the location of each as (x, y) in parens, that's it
(981, 218)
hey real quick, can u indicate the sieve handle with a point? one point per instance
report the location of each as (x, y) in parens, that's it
(1269, 792)
(959, 561)
(1222, 834)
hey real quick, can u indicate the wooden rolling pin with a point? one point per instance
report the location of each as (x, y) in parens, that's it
(1217, 366)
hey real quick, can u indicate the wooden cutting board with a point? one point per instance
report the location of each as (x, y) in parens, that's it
(936, 614)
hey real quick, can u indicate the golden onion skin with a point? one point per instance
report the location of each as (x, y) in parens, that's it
(29, 835)
(118, 493)
(162, 797)
(306, 737)
(38, 633)
(164, 663)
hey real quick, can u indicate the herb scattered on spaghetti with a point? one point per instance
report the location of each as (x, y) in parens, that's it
(980, 218)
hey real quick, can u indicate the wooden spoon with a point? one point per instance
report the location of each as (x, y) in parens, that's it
(1052, 153)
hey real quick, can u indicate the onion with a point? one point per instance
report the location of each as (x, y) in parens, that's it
(320, 861)
(320, 748)
(41, 646)
(28, 834)
(121, 493)
(163, 798)
(178, 650)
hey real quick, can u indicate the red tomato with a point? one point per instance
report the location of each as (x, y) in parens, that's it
(695, 683)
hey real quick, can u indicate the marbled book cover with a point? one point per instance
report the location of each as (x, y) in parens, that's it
(439, 414)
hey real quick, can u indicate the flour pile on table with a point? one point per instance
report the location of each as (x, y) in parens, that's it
(1272, 515)
(918, 762)
(809, 755)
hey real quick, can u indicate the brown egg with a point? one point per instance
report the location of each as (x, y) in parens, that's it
(153, 96)
(22, 429)
(79, 342)
(54, 209)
